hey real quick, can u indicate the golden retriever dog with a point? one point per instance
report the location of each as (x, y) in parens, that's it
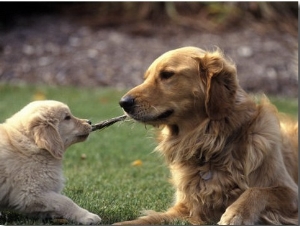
(232, 160)
(32, 144)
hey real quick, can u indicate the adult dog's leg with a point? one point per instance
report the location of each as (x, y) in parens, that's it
(57, 205)
(179, 211)
(274, 204)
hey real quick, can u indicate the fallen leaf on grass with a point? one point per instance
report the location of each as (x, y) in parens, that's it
(137, 163)
(39, 96)
(83, 157)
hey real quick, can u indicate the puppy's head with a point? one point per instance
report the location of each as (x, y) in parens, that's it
(51, 125)
(183, 84)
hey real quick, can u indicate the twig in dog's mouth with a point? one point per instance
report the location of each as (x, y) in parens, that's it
(108, 122)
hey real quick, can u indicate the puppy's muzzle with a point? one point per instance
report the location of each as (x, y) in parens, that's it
(127, 103)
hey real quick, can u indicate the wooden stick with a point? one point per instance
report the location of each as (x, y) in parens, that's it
(108, 122)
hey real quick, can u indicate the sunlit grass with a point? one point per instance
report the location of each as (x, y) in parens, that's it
(106, 181)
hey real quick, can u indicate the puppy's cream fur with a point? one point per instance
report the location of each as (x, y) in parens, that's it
(32, 144)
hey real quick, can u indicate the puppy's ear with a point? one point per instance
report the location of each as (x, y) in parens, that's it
(46, 136)
(219, 78)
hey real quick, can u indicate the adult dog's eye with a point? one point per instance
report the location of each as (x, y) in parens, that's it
(166, 74)
(68, 117)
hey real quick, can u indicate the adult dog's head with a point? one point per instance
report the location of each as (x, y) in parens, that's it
(50, 125)
(183, 86)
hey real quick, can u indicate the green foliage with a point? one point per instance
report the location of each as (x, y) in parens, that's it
(100, 174)
(286, 105)
(196, 15)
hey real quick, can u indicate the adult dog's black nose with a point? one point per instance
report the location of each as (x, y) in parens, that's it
(127, 103)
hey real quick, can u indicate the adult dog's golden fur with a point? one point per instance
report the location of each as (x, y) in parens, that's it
(32, 144)
(232, 160)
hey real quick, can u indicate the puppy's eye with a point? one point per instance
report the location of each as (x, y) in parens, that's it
(68, 117)
(166, 74)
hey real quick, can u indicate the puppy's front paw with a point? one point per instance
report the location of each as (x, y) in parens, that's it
(89, 218)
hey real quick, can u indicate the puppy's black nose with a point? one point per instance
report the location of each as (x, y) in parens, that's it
(127, 103)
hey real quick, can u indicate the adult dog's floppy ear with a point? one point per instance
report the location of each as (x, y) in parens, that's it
(46, 136)
(219, 78)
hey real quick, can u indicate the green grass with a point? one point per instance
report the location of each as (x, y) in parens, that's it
(106, 182)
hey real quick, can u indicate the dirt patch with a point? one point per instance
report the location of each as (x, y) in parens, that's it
(54, 50)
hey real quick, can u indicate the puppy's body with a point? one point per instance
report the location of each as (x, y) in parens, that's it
(231, 161)
(31, 148)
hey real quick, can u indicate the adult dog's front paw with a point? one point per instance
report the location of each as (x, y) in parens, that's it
(230, 218)
(236, 216)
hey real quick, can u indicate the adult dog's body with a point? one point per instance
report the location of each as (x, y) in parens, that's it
(232, 161)
(32, 143)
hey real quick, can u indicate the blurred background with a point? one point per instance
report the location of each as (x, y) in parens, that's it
(111, 44)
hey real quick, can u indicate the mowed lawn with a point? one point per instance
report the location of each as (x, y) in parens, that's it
(115, 173)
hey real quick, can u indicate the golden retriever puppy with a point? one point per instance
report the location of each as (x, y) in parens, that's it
(232, 161)
(32, 144)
